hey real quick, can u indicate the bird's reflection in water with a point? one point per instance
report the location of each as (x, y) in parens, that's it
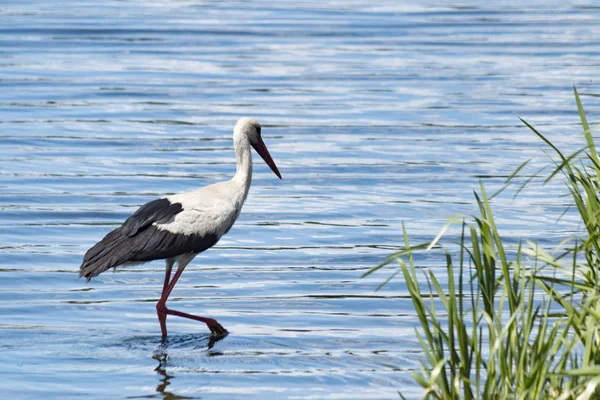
(161, 355)
(165, 378)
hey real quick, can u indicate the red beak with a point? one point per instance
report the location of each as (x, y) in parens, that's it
(262, 151)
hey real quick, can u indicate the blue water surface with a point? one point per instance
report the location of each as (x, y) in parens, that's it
(378, 114)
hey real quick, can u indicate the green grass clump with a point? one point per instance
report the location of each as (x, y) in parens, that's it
(513, 323)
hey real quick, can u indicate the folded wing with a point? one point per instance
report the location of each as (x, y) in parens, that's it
(143, 237)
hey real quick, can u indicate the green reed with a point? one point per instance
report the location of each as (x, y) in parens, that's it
(513, 323)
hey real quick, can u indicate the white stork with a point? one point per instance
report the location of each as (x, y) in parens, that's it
(177, 228)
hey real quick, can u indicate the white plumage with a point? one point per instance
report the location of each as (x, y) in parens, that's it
(178, 227)
(212, 209)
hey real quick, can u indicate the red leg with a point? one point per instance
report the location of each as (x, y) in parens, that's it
(163, 311)
(162, 319)
(212, 324)
(168, 270)
(171, 285)
(162, 316)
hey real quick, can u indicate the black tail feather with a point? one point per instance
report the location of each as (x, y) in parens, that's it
(108, 253)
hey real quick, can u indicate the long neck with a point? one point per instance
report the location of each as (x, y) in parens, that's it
(243, 175)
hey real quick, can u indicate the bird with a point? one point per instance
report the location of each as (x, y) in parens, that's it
(176, 228)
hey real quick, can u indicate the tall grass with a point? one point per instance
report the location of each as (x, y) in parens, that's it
(513, 322)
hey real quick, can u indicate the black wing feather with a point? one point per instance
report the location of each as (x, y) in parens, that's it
(138, 241)
(157, 211)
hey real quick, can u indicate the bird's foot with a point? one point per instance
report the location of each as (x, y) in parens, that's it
(215, 327)
(212, 324)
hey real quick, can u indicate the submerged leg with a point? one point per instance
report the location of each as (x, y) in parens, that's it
(161, 306)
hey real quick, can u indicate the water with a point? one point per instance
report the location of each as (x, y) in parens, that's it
(376, 114)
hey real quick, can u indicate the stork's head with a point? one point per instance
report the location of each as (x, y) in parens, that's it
(250, 129)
